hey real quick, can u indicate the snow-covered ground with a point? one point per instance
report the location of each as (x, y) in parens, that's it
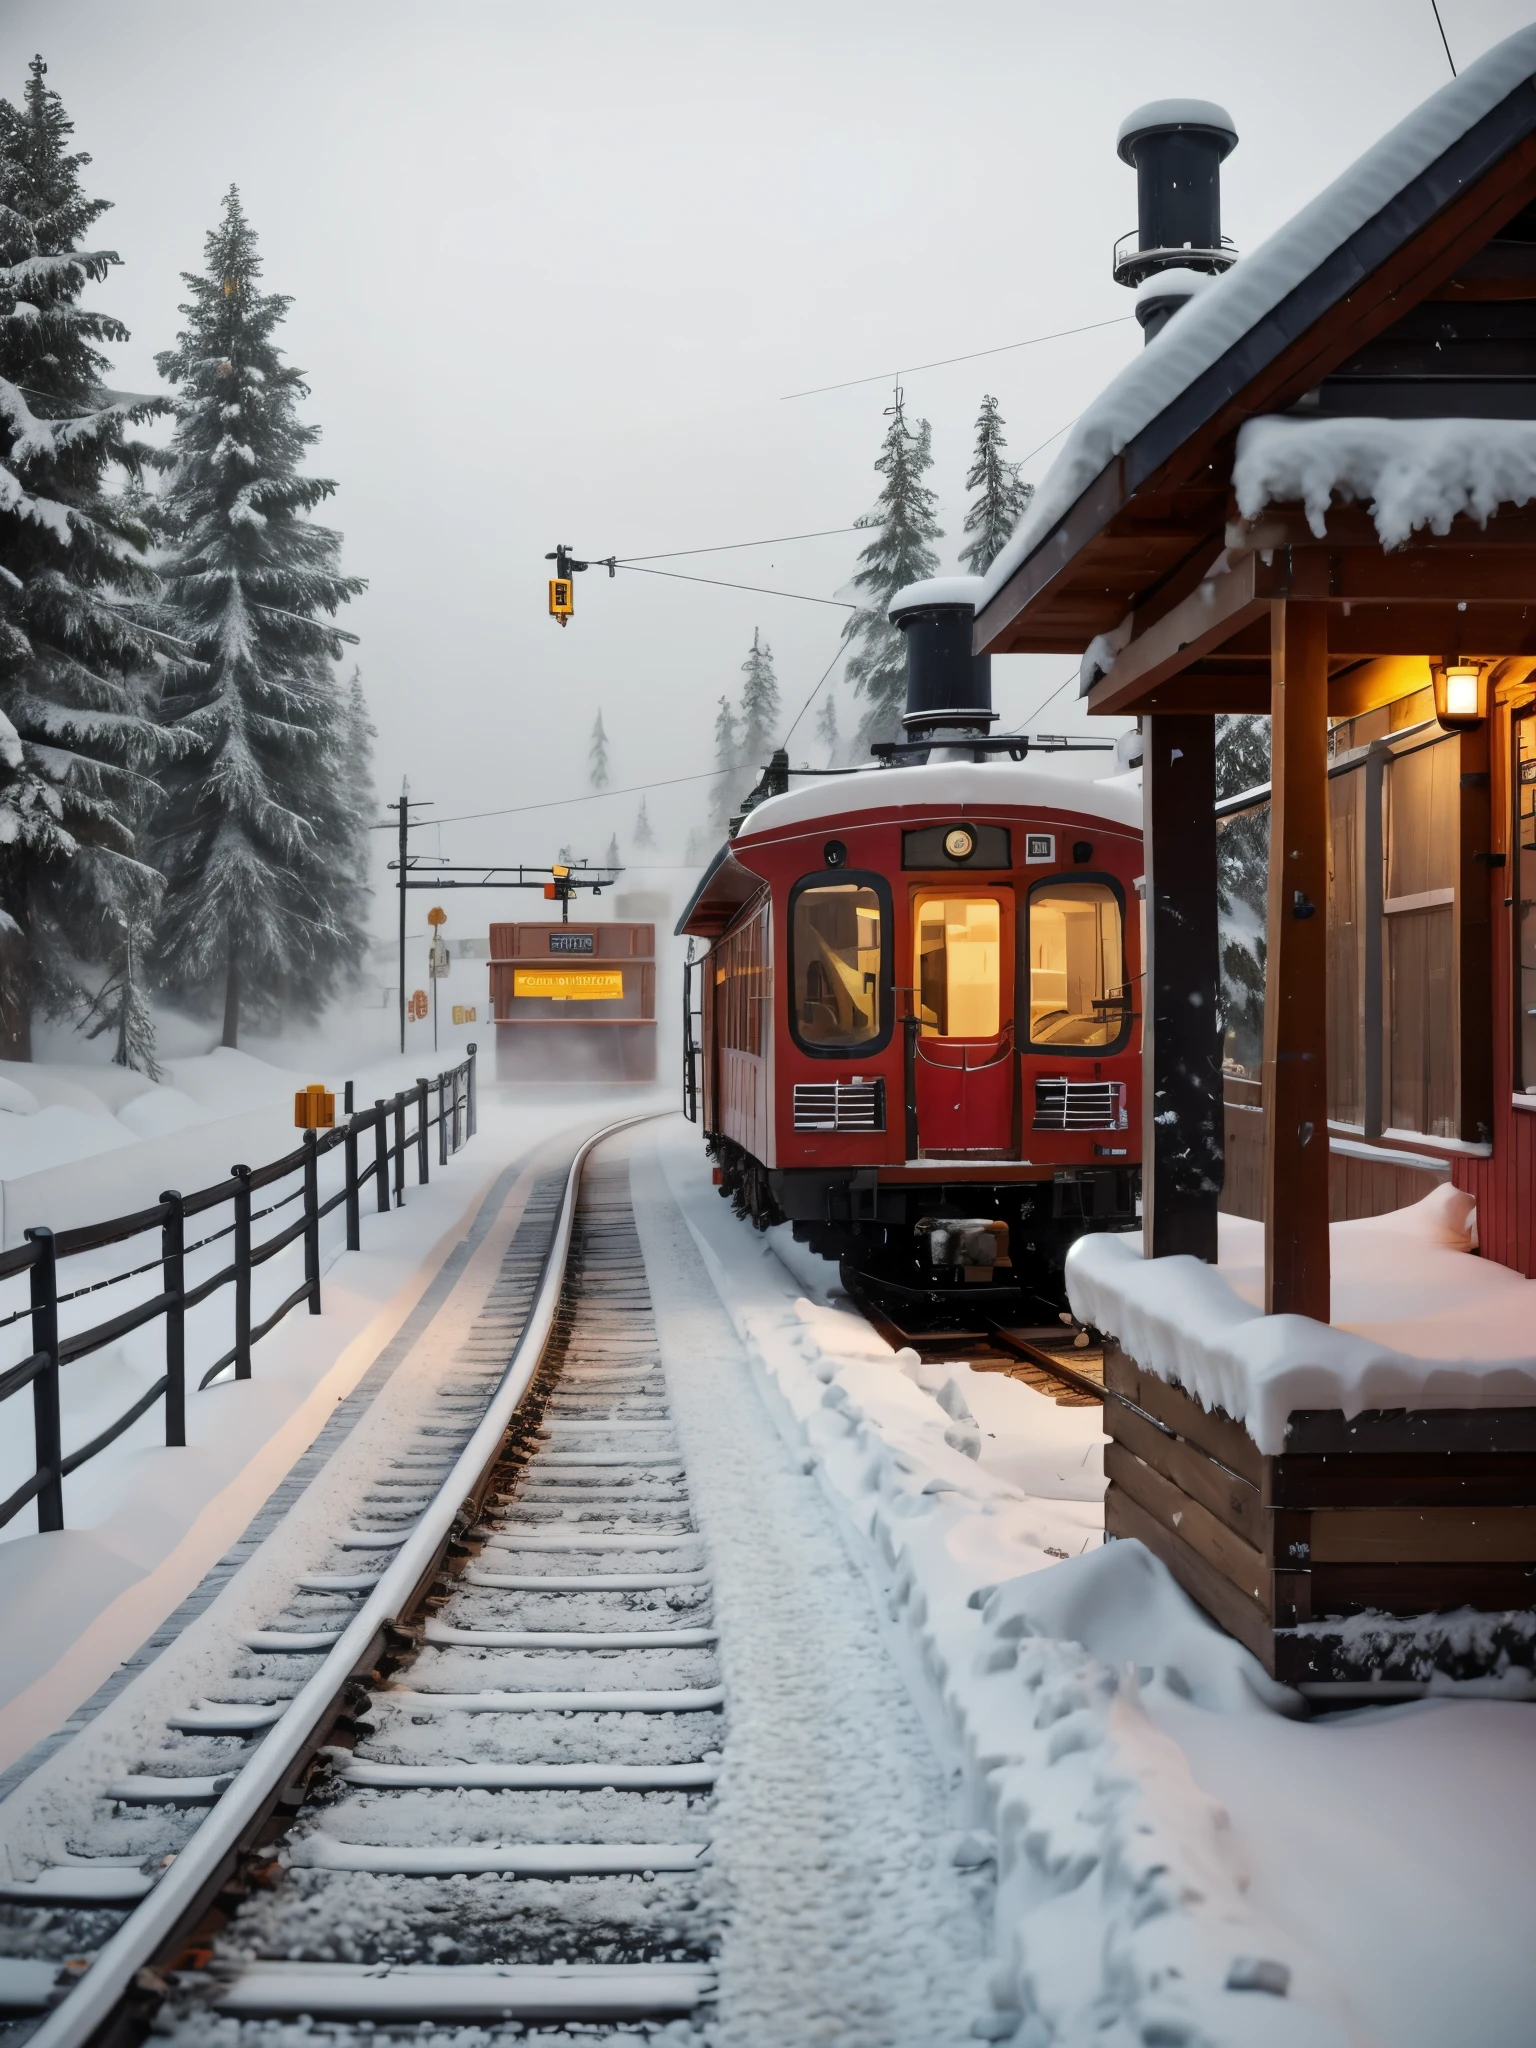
(144, 1522)
(1181, 1855)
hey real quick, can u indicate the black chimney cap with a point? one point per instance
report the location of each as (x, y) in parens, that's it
(947, 685)
(1163, 117)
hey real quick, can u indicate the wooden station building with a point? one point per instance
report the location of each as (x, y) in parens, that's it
(574, 1002)
(1313, 497)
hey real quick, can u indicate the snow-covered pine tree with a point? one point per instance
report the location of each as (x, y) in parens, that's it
(75, 742)
(121, 1005)
(826, 728)
(1242, 880)
(256, 834)
(358, 736)
(759, 707)
(611, 857)
(645, 837)
(1001, 494)
(597, 756)
(904, 523)
(722, 796)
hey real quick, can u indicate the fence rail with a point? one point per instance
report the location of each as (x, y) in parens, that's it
(446, 1103)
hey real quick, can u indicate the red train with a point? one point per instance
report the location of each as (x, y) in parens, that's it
(919, 1035)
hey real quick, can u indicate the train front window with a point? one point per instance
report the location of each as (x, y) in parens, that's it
(835, 944)
(1077, 989)
(959, 966)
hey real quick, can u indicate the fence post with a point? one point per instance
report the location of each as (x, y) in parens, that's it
(381, 1155)
(400, 1149)
(421, 1133)
(346, 1100)
(349, 1150)
(470, 1093)
(312, 1220)
(242, 1200)
(442, 1121)
(173, 1235)
(45, 1388)
(458, 1104)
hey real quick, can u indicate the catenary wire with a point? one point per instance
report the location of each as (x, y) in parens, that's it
(729, 547)
(716, 583)
(943, 362)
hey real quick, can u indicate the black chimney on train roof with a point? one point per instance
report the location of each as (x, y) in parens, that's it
(1176, 148)
(949, 689)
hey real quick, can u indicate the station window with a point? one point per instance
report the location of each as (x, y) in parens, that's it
(838, 934)
(1524, 894)
(1077, 988)
(959, 966)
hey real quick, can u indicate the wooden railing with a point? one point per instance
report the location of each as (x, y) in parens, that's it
(399, 1126)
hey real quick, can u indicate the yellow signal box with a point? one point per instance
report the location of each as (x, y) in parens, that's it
(314, 1108)
(562, 598)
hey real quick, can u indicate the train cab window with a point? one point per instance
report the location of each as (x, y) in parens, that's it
(958, 970)
(1077, 988)
(835, 947)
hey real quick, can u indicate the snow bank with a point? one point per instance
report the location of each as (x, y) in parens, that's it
(1418, 1320)
(1221, 316)
(1412, 473)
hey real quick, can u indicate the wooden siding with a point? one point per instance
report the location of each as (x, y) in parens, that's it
(1356, 1186)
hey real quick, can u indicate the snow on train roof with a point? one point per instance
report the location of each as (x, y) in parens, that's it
(1219, 318)
(947, 785)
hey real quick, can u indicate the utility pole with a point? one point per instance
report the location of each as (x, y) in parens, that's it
(404, 806)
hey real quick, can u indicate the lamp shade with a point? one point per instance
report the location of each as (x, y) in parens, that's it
(1461, 693)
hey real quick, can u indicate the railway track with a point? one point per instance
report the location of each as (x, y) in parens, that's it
(464, 1773)
(1063, 1361)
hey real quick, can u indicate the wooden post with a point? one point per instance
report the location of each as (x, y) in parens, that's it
(172, 1251)
(421, 1132)
(48, 1441)
(312, 1220)
(381, 1154)
(471, 1093)
(242, 1200)
(442, 1119)
(1296, 968)
(1474, 941)
(1181, 1036)
(354, 1217)
(399, 1149)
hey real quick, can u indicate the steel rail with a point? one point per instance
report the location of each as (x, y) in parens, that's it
(191, 1879)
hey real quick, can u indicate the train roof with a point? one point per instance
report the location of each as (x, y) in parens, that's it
(947, 786)
(952, 787)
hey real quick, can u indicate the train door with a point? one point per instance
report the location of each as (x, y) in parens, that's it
(962, 992)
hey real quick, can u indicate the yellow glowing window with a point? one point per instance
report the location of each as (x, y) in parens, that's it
(569, 984)
(1077, 991)
(959, 966)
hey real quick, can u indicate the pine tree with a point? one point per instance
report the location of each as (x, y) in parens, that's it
(905, 525)
(759, 706)
(1242, 882)
(75, 740)
(826, 728)
(597, 758)
(257, 835)
(1000, 497)
(722, 797)
(645, 838)
(121, 1005)
(362, 804)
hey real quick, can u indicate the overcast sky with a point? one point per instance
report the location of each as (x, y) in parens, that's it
(554, 270)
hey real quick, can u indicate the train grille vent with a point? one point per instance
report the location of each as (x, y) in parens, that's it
(1063, 1105)
(839, 1105)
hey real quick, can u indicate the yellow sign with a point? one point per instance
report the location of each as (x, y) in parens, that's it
(464, 1013)
(569, 984)
(562, 597)
(437, 916)
(314, 1108)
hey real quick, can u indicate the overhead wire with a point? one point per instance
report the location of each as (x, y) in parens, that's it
(718, 583)
(730, 546)
(943, 362)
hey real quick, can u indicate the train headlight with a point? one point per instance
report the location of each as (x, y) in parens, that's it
(959, 844)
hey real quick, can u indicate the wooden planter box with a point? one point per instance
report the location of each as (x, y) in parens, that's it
(1398, 1512)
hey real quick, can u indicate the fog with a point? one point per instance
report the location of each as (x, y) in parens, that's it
(553, 277)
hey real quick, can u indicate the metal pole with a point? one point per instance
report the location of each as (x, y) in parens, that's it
(312, 1220)
(405, 815)
(45, 1388)
(172, 1251)
(421, 1132)
(381, 1155)
(242, 1272)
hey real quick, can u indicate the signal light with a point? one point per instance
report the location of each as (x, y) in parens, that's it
(562, 598)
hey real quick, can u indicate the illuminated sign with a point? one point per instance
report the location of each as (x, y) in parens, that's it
(569, 984)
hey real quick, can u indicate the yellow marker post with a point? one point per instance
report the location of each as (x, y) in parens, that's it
(314, 1108)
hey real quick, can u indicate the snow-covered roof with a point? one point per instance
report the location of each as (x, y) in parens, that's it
(932, 590)
(1164, 114)
(947, 785)
(1219, 319)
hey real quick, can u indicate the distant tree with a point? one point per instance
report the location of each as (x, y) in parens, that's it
(826, 729)
(905, 525)
(701, 844)
(644, 837)
(597, 756)
(759, 706)
(1001, 494)
(722, 796)
(76, 742)
(121, 1005)
(611, 857)
(258, 832)
(1242, 871)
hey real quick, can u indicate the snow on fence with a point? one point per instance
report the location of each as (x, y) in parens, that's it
(446, 1104)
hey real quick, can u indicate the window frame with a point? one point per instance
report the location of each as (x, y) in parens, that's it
(841, 878)
(1523, 1089)
(1030, 1046)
